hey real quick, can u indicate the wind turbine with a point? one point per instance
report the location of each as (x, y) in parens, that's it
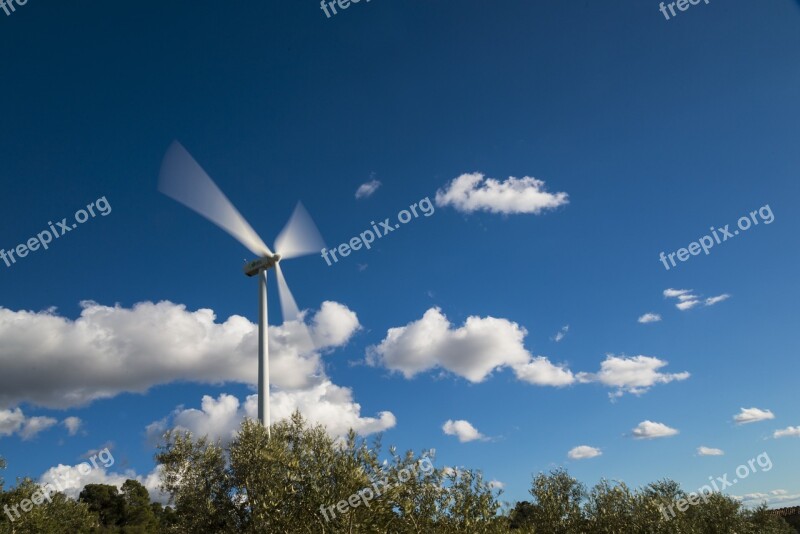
(182, 179)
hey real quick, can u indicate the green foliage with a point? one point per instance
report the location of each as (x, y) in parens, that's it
(106, 502)
(557, 501)
(300, 480)
(55, 516)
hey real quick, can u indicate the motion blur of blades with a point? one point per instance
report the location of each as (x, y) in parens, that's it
(289, 307)
(291, 314)
(300, 236)
(183, 179)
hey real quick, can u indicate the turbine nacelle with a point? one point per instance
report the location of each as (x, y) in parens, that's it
(261, 264)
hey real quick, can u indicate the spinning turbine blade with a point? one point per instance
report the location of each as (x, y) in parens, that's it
(182, 179)
(291, 312)
(300, 236)
(289, 307)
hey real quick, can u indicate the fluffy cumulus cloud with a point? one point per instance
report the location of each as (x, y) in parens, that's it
(367, 189)
(709, 451)
(688, 300)
(472, 351)
(651, 430)
(649, 318)
(325, 403)
(462, 429)
(540, 371)
(474, 192)
(485, 344)
(584, 452)
(14, 421)
(109, 350)
(752, 415)
(636, 374)
(789, 431)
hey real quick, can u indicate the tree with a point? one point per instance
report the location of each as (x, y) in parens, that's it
(196, 477)
(57, 515)
(610, 508)
(138, 516)
(106, 502)
(557, 501)
(301, 480)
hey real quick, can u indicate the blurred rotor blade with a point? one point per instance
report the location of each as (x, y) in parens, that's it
(289, 307)
(300, 236)
(291, 313)
(182, 179)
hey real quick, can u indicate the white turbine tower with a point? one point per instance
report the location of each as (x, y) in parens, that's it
(182, 179)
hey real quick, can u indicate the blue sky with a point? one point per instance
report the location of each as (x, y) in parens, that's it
(654, 129)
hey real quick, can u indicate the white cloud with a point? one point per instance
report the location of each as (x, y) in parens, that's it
(325, 403)
(687, 304)
(485, 344)
(110, 350)
(333, 325)
(651, 430)
(473, 192)
(462, 429)
(708, 451)
(789, 431)
(541, 372)
(14, 421)
(72, 424)
(675, 293)
(649, 318)
(688, 300)
(34, 425)
(752, 415)
(71, 479)
(719, 298)
(561, 334)
(472, 351)
(496, 484)
(583, 452)
(774, 499)
(634, 375)
(11, 421)
(367, 189)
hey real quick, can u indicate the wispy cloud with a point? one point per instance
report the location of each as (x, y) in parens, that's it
(72, 424)
(367, 189)
(649, 318)
(688, 300)
(752, 415)
(561, 334)
(719, 298)
(709, 451)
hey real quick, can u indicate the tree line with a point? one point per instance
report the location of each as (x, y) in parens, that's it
(301, 480)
